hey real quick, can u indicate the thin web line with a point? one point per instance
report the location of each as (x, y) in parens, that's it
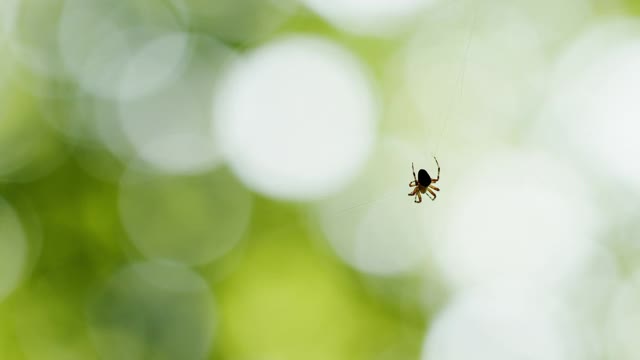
(460, 79)
(387, 195)
(448, 112)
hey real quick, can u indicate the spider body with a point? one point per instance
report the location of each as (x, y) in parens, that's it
(423, 178)
(424, 184)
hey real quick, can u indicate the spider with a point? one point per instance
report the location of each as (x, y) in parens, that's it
(424, 183)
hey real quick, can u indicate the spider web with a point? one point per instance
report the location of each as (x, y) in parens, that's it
(445, 116)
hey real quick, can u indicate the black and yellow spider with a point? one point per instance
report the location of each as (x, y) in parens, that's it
(424, 183)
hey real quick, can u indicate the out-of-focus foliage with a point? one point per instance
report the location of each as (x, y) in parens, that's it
(227, 179)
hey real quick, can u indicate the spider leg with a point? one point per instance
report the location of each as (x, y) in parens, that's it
(437, 177)
(434, 187)
(419, 198)
(412, 184)
(432, 193)
(415, 190)
(414, 175)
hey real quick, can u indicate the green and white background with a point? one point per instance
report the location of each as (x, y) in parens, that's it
(227, 179)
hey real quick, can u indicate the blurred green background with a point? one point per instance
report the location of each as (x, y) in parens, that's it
(189, 179)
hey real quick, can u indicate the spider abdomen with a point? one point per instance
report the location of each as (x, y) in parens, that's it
(423, 177)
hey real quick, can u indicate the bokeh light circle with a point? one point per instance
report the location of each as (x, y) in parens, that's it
(517, 215)
(472, 83)
(155, 64)
(495, 324)
(171, 128)
(188, 219)
(296, 118)
(376, 17)
(153, 310)
(592, 109)
(103, 41)
(117, 58)
(13, 249)
(374, 226)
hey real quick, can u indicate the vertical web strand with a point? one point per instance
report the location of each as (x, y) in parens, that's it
(461, 78)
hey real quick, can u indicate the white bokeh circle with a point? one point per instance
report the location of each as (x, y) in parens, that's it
(115, 58)
(494, 324)
(154, 64)
(170, 129)
(376, 17)
(296, 118)
(188, 219)
(472, 73)
(592, 108)
(516, 216)
(373, 225)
